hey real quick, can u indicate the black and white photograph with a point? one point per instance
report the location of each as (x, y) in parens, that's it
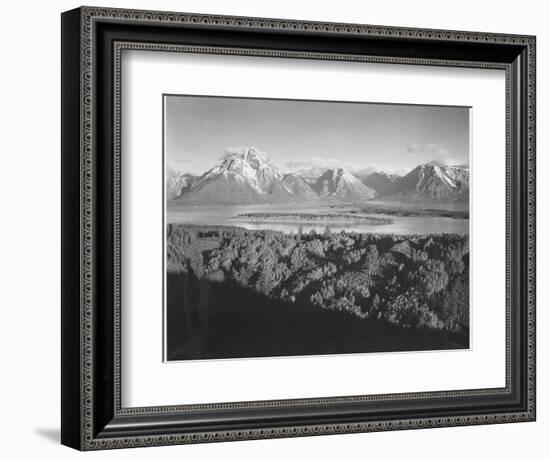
(304, 227)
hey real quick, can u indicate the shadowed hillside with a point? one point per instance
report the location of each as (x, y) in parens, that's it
(208, 320)
(237, 293)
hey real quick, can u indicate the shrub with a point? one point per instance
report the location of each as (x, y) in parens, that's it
(403, 247)
(371, 261)
(315, 247)
(455, 309)
(406, 310)
(431, 277)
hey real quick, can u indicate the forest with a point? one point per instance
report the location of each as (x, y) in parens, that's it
(362, 292)
(322, 217)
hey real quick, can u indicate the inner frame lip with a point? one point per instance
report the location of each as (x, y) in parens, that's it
(121, 46)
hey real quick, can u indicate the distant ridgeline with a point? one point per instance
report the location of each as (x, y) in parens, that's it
(249, 177)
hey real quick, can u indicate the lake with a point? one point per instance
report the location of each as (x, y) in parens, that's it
(227, 216)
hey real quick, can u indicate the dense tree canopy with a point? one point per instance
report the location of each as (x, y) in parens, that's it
(410, 281)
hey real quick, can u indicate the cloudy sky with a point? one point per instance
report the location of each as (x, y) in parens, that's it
(299, 135)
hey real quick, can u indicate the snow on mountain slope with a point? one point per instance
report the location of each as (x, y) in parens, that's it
(432, 182)
(340, 185)
(244, 178)
(299, 187)
(177, 182)
(249, 177)
(380, 181)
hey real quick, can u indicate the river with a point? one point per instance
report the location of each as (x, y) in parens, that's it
(226, 216)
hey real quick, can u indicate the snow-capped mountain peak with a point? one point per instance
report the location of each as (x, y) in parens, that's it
(254, 167)
(432, 182)
(249, 177)
(246, 177)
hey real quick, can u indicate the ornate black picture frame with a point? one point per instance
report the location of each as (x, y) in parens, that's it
(92, 42)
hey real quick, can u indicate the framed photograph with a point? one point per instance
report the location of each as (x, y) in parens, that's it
(276, 228)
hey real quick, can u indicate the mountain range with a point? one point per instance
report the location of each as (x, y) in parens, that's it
(380, 181)
(249, 177)
(340, 185)
(431, 182)
(245, 178)
(177, 183)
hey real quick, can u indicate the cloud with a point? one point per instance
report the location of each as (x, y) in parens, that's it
(185, 165)
(183, 161)
(321, 162)
(330, 163)
(232, 150)
(431, 149)
(240, 149)
(434, 153)
(438, 162)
